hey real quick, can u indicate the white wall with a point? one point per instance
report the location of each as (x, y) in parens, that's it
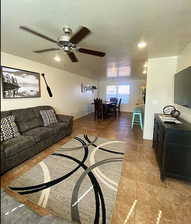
(184, 60)
(135, 91)
(66, 87)
(160, 89)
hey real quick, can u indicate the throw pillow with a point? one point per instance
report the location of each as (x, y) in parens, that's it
(8, 128)
(48, 117)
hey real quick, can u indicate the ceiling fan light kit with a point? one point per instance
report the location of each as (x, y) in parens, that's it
(67, 42)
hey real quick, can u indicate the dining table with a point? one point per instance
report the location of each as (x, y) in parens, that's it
(106, 102)
(107, 105)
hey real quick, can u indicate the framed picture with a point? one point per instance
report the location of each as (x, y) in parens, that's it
(18, 83)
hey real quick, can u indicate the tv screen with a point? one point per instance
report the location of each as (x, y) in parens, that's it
(182, 88)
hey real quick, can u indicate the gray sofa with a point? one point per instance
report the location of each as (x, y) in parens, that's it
(34, 136)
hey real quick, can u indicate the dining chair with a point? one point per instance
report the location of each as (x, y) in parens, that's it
(95, 108)
(99, 109)
(112, 107)
(113, 100)
(118, 106)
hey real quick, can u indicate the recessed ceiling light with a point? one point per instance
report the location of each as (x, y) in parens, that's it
(56, 58)
(142, 44)
(145, 65)
(144, 71)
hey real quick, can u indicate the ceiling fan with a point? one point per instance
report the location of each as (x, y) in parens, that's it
(67, 42)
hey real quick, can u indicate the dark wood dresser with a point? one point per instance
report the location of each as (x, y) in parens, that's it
(172, 145)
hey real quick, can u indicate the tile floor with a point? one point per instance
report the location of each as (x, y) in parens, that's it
(142, 198)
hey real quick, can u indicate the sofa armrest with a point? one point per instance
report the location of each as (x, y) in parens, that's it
(64, 118)
(2, 167)
(1, 147)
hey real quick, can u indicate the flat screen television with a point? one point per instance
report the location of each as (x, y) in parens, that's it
(182, 88)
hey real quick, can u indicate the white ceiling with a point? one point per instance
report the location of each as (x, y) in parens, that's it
(116, 28)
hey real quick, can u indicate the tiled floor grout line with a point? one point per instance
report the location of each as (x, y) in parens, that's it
(130, 212)
(159, 217)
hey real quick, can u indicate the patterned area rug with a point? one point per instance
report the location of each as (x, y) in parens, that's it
(78, 182)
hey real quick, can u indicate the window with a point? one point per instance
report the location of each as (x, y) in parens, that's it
(120, 91)
(111, 92)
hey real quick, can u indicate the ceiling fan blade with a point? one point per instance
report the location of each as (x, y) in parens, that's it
(87, 51)
(72, 56)
(46, 50)
(81, 33)
(37, 33)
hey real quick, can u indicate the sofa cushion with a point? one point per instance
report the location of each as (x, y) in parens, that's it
(15, 145)
(65, 119)
(59, 127)
(48, 117)
(37, 112)
(5, 113)
(8, 128)
(26, 119)
(40, 133)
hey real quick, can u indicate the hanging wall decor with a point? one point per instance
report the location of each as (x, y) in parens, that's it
(47, 87)
(18, 83)
(85, 88)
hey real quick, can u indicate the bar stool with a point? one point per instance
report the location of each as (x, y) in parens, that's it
(137, 112)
